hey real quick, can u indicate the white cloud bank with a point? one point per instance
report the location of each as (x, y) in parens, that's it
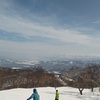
(38, 51)
(27, 28)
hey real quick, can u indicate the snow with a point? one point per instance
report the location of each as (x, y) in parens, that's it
(55, 72)
(16, 67)
(71, 62)
(33, 62)
(60, 80)
(48, 93)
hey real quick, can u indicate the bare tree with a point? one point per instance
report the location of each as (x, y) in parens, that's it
(80, 81)
(92, 75)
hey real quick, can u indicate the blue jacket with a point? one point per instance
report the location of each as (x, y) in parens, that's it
(34, 96)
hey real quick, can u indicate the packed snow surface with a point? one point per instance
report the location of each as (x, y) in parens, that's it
(48, 93)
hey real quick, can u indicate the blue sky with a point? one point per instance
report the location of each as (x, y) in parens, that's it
(37, 29)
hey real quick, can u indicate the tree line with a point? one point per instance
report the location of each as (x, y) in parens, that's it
(26, 78)
(85, 78)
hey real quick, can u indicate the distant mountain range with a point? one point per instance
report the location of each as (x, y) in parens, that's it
(52, 65)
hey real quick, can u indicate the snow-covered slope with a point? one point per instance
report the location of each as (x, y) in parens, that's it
(48, 93)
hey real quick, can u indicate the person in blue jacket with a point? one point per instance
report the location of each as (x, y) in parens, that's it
(34, 96)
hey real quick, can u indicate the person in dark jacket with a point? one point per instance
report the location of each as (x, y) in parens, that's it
(57, 95)
(34, 96)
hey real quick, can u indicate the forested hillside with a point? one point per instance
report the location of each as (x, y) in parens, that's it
(26, 78)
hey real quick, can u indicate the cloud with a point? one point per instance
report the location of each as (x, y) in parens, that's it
(29, 50)
(28, 28)
(73, 41)
(96, 22)
(12, 22)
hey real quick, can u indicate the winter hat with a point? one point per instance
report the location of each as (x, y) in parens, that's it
(56, 90)
(34, 90)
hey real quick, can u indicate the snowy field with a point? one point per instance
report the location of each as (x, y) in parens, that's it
(48, 93)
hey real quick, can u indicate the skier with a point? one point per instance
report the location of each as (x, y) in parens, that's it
(57, 95)
(35, 95)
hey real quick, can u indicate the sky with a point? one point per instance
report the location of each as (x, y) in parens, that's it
(38, 29)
